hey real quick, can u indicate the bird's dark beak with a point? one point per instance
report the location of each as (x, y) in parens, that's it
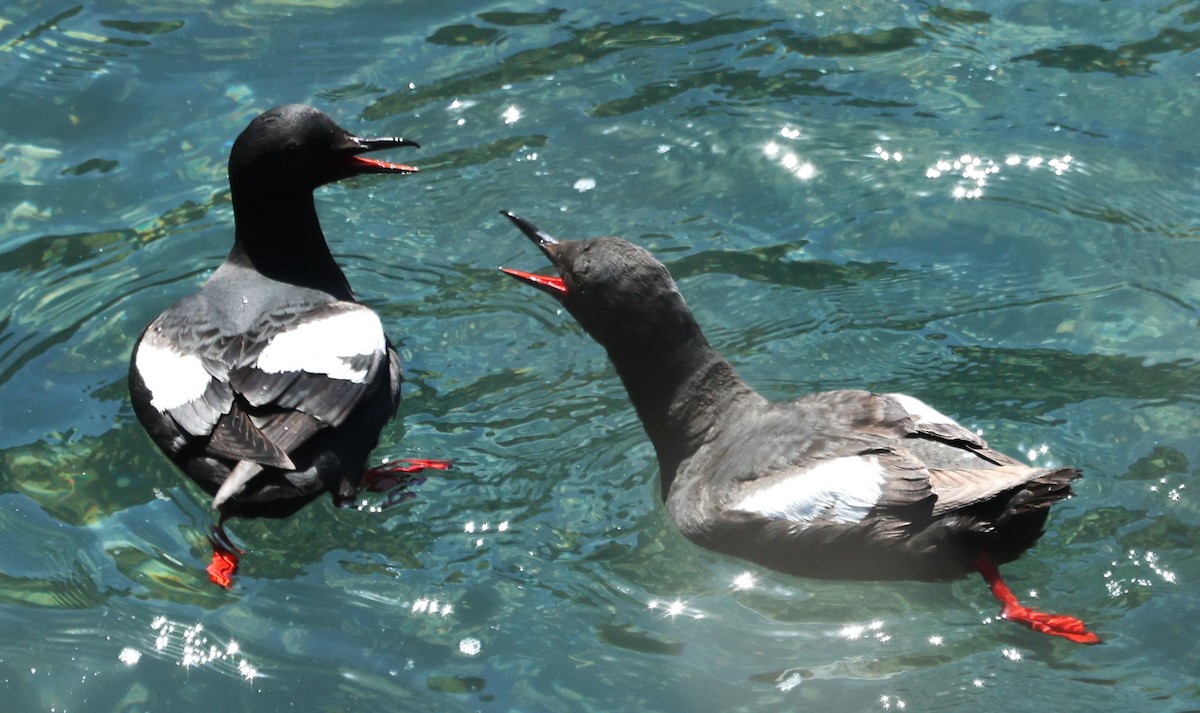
(352, 163)
(540, 239)
(553, 286)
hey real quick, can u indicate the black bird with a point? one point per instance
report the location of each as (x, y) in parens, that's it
(839, 484)
(271, 384)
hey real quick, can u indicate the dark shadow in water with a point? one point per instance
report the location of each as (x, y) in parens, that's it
(850, 44)
(456, 684)
(635, 639)
(473, 35)
(589, 45)
(505, 18)
(1045, 380)
(464, 36)
(953, 16)
(1133, 59)
(772, 265)
(479, 155)
(734, 84)
(585, 46)
(99, 165)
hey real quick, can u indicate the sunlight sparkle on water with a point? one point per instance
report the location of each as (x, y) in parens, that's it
(789, 160)
(744, 581)
(1034, 453)
(192, 647)
(974, 173)
(854, 632)
(511, 115)
(471, 527)
(1174, 493)
(432, 607)
(470, 646)
(886, 155)
(673, 608)
(1137, 568)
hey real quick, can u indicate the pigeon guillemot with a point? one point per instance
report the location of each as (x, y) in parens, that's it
(271, 384)
(839, 484)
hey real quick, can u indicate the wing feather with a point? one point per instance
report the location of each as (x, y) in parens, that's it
(961, 488)
(235, 436)
(257, 396)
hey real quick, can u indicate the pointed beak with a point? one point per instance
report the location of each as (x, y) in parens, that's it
(553, 286)
(537, 237)
(352, 163)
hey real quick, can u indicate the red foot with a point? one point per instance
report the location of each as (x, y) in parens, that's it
(411, 465)
(396, 477)
(1062, 625)
(225, 557)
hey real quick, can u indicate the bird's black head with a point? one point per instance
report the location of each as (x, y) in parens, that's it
(618, 292)
(297, 148)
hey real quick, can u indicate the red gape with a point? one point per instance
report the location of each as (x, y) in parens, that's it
(1062, 625)
(553, 285)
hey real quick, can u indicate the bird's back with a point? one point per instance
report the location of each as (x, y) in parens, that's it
(248, 357)
(852, 484)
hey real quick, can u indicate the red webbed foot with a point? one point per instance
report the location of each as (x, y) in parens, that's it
(225, 557)
(406, 466)
(1062, 625)
(397, 477)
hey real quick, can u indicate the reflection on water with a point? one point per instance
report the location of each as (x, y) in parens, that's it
(990, 208)
(976, 172)
(190, 646)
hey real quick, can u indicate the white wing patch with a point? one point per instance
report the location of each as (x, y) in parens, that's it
(844, 489)
(173, 378)
(921, 411)
(325, 345)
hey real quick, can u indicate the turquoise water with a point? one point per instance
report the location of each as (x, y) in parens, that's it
(989, 205)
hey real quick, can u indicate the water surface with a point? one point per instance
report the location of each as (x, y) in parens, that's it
(989, 205)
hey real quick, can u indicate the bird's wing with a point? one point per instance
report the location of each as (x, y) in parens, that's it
(176, 363)
(963, 469)
(859, 453)
(959, 489)
(843, 488)
(324, 364)
(808, 462)
(259, 395)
